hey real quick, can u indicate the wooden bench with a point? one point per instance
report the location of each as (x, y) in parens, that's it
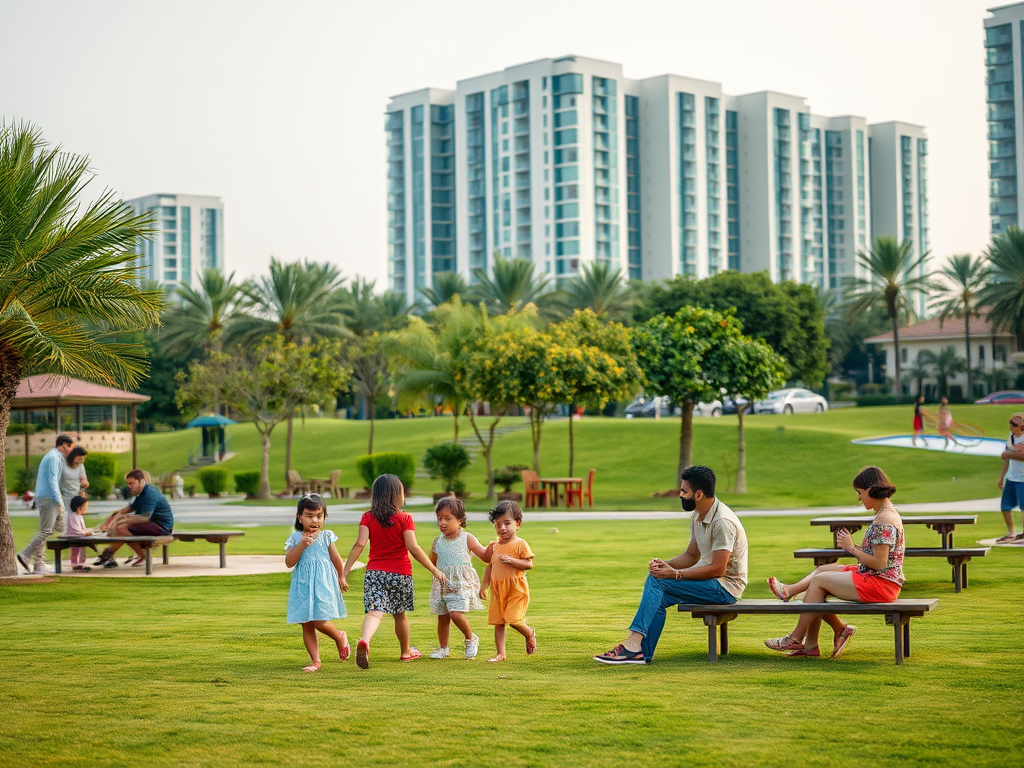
(897, 613)
(146, 543)
(214, 537)
(958, 558)
(942, 524)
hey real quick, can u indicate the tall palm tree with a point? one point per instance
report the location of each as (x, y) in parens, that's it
(69, 279)
(360, 308)
(394, 312)
(942, 366)
(199, 319)
(893, 274)
(965, 276)
(602, 291)
(1004, 295)
(513, 286)
(446, 285)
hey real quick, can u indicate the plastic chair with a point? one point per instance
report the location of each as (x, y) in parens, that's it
(534, 490)
(578, 492)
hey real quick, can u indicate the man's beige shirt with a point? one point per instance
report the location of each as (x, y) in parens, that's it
(721, 529)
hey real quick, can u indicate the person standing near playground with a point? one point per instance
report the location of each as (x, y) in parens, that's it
(50, 504)
(945, 425)
(387, 585)
(918, 418)
(1011, 479)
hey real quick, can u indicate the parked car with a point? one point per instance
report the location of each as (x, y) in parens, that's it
(791, 401)
(714, 408)
(1006, 397)
(730, 406)
(644, 407)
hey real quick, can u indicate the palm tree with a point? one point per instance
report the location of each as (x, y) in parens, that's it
(1004, 295)
(966, 277)
(394, 312)
(199, 320)
(893, 274)
(446, 286)
(602, 291)
(942, 366)
(919, 372)
(513, 286)
(69, 278)
(360, 308)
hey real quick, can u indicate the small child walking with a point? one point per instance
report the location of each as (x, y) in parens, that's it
(452, 552)
(76, 527)
(387, 585)
(314, 600)
(511, 558)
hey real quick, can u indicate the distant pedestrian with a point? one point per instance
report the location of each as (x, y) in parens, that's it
(945, 425)
(918, 418)
(1011, 479)
(50, 504)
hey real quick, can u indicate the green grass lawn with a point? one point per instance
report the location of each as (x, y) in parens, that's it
(798, 460)
(205, 671)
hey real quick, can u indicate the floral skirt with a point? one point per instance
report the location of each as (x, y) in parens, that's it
(388, 592)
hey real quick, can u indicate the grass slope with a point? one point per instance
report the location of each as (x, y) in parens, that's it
(205, 672)
(797, 460)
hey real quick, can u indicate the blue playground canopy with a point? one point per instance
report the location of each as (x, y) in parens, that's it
(210, 420)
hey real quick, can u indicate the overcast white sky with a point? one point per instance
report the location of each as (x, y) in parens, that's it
(277, 106)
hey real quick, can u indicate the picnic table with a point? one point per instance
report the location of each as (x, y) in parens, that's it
(147, 543)
(554, 483)
(943, 524)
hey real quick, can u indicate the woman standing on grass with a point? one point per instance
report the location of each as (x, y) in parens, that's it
(876, 578)
(73, 480)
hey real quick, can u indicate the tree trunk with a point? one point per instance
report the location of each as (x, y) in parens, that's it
(967, 343)
(741, 464)
(572, 445)
(10, 375)
(536, 422)
(288, 451)
(685, 439)
(373, 421)
(265, 467)
(485, 448)
(896, 356)
(455, 413)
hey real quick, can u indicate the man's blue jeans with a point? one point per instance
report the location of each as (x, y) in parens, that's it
(660, 594)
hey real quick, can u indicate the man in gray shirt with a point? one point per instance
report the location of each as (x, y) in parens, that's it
(712, 570)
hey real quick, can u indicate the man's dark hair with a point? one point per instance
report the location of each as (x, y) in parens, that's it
(137, 474)
(64, 440)
(699, 479)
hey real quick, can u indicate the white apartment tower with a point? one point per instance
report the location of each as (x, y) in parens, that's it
(188, 237)
(1004, 59)
(564, 162)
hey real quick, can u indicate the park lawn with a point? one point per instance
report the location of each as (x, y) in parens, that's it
(205, 672)
(792, 461)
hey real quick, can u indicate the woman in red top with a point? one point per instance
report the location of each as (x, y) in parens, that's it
(387, 585)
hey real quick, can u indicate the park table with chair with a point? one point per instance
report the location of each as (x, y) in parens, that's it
(570, 486)
(943, 524)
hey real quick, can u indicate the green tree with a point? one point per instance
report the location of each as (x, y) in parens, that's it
(368, 361)
(942, 366)
(512, 287)
(892, 275)
(673, 353)
(595, 363)
(1004, 295)
(69, 279)
(265, 385)
(447, 285)
(600, 290)
(964, 278)
(745, 368)
(197, 321)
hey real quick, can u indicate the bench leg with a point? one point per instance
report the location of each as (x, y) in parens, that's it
(963, 575)
(712, 639)
(56, 561)
(724, 644)
(149, 561)
(223, 556)
(166, 558)
(897, 625)
(957, 576)
(906, 640)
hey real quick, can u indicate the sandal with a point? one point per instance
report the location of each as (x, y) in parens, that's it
(414, 653)
(811, 653)
(778, 589)
(620, 654)
(1007, 538)
(785, 643)
(363, 654)
(842, 639)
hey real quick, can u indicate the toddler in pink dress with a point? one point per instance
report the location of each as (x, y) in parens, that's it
(76, 527)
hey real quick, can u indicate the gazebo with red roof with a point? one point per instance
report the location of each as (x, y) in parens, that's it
(67, 398)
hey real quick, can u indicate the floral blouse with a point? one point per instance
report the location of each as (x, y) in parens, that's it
(885, 534)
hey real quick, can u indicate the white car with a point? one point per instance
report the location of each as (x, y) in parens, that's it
(791, 401)
(714, 408)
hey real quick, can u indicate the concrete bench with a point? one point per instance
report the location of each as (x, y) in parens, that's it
(897, 613)
(958, 558)
(146, 543)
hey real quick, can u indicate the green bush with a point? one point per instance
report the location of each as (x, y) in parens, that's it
(248, 483)
(371, 466)
(872, 400)
(24, 481)
(446, 462)
(214, 480)
(506, 477)
(101, 469)
(100, 486)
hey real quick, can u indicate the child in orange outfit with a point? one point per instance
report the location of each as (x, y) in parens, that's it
(506, 576)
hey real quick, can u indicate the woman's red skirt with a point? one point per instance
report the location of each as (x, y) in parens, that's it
(873, 589)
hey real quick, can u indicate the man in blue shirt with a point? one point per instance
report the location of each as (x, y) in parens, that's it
(149, 514)
(50, 505)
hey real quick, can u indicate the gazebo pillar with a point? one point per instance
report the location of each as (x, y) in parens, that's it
(135, 447)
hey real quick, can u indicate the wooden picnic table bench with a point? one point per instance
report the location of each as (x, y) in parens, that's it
(146, 543)
(214, 537)
(958, 558)
(898, 613)
(943, 524)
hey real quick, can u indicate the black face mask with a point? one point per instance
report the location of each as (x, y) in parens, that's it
(689, 504)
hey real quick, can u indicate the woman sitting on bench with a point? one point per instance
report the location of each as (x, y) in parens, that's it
(876, 578)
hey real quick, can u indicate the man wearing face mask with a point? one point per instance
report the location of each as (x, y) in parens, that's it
(712, 570)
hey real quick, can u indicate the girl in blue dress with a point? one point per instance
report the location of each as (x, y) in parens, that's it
(314, 599)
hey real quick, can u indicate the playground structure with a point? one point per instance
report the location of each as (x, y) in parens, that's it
(967, 446)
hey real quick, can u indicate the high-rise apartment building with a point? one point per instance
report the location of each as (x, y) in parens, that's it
(1004, 60)
(564, 162)
(188, 237)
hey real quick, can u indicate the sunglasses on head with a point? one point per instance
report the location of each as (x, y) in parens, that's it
(312, 496)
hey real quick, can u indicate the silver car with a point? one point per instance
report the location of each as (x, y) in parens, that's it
(791, 400)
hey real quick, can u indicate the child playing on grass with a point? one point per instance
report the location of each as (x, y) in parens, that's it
(387, 586)
(511, 558)
(76, 527)
(314, 599)
(452, 552)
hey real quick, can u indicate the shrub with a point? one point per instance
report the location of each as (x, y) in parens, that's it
(24, 481)
(214, 480)
(100, 486)
(508, 476)
(375, 464)
(872, 400)
(101, 469)
(446, 462)
(248, 483)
